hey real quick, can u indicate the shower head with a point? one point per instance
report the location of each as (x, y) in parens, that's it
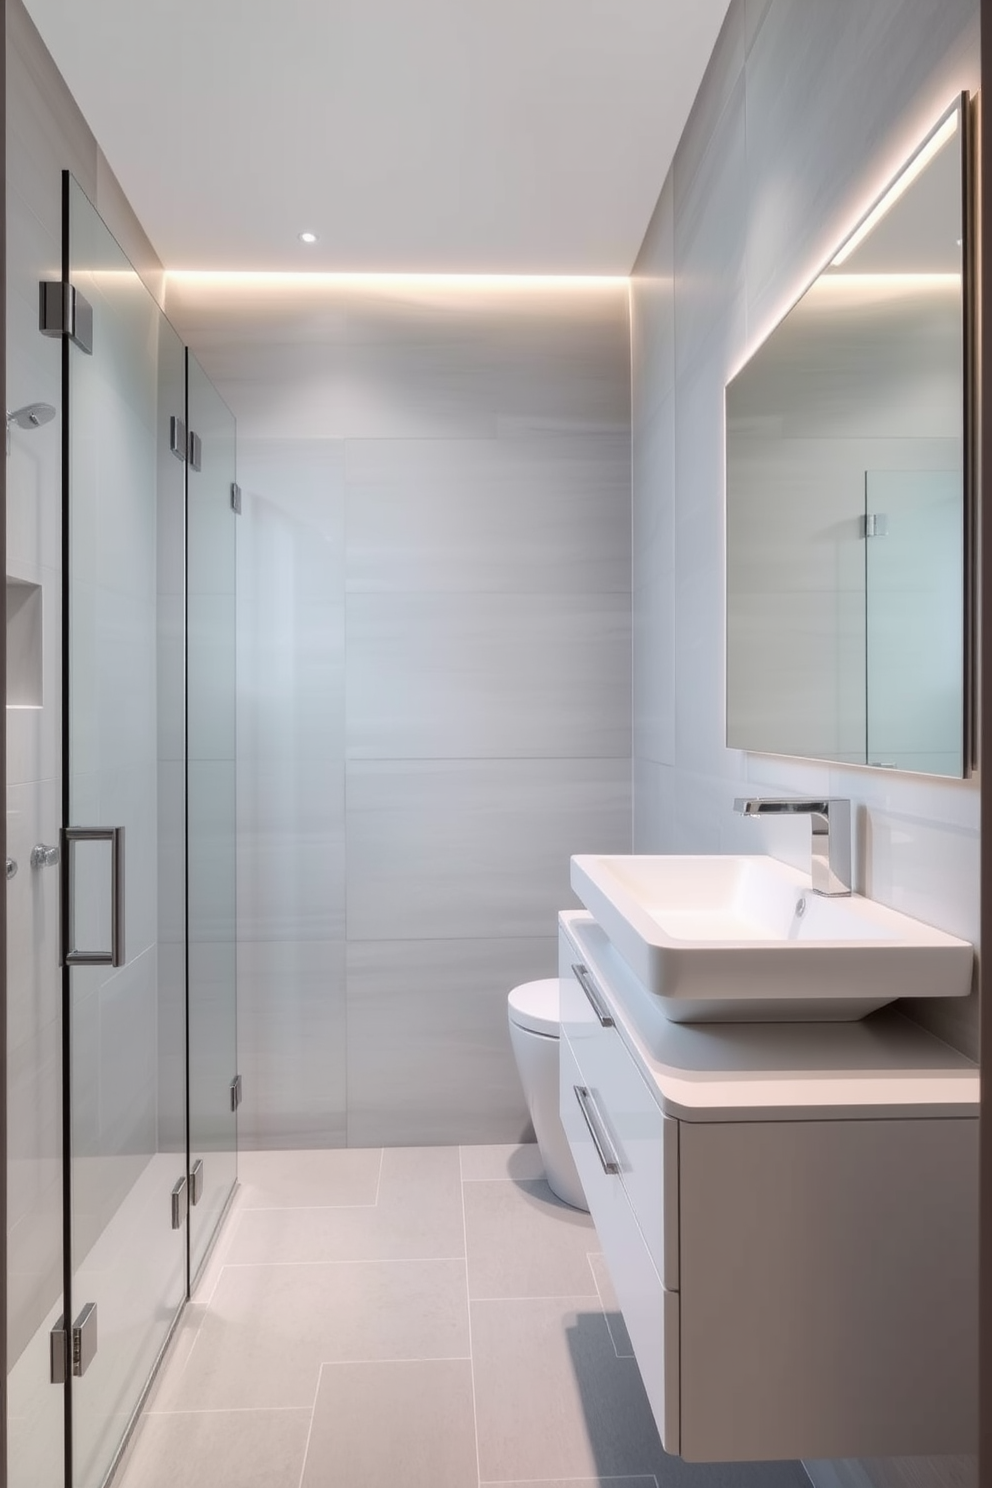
(31, 416)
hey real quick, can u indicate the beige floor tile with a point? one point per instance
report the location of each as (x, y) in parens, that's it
(301, 1180)
(269, 1328)
(378, 1425)
(523, 1242)
(552, 1398)
(418, 1214)
(243, 1449)
(501, 1164)
(611, 1307)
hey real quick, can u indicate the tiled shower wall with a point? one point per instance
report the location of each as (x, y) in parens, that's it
(805, 112)
(434, 671)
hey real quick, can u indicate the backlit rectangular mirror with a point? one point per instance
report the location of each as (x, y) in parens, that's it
(846, 505)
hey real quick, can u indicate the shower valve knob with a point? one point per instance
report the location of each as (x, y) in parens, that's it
(44, 857)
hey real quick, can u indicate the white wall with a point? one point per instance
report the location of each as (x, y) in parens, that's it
(434, 600)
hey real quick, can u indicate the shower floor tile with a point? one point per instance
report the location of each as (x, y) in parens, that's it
(332, 1342)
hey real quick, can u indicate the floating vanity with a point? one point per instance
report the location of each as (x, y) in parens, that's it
(788, 1212)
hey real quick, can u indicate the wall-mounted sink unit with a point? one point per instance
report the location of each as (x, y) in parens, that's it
(789, 1214)
(744, 939)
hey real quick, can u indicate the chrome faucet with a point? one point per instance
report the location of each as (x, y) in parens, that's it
(831, 823)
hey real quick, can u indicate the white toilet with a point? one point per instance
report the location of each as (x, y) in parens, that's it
(535, 1028)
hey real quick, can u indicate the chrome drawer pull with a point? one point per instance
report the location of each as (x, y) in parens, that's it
(600, 1140)
(594, 995)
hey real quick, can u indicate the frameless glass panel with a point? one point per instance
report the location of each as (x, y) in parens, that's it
(125, 707)
(35, 1408)
(211, 823)
(914, 608)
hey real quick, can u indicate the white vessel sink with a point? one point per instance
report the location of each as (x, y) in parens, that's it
(744, 939)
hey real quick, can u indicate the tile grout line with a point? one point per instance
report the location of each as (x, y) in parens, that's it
(596, 1481)
(602, 1304)
(468, 1313)
(378, 1181)
(226, 1410)
(350, 1261)
(313, 1413)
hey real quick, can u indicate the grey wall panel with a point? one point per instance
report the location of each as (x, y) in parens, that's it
(654, 668)
(414, 1008)
(832, 111)
(653, 521)
(652, 328)
(518, 515)
(507, 675)
(434, 617)
(291, 1043)
(466, 849)
(710, 217)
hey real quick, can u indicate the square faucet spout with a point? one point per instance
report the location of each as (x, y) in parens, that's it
(830, 819)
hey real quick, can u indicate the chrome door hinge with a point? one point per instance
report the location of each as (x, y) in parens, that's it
(876, 524)
(195, 451)
(84, 1339)
(58, 1352)
(196, 1181)
(235, 1092)
(236, 498)
(179, 1204)
(63, 311)
(177, 438)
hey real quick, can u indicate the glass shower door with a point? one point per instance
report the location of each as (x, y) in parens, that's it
(124, 889)
(213, 1093)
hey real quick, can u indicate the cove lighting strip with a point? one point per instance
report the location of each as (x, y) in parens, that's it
(902, 183)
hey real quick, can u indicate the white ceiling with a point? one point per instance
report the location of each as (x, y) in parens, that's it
(485, 136)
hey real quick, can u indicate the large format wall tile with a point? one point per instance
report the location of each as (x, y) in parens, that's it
(832, 113)
(487, 675)
(710, 218)
(434, 579)
(428, 1041)
(652, 319)
(455, 849)
(291, 1042)
(526, 516)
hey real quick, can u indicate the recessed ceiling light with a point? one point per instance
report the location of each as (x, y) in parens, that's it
(308, 237)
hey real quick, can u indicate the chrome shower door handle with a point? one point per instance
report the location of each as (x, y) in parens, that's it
(71, 954)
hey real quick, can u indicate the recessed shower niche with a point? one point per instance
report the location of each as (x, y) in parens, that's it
(24, 644)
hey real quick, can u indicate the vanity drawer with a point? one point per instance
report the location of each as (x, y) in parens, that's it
(644, 1138)
(650, 1312)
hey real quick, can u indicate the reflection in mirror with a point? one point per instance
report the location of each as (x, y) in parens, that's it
(845, 496)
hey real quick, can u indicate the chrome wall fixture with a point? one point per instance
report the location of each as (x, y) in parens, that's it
(31, 416)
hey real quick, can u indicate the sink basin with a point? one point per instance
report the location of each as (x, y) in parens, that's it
(744, 939)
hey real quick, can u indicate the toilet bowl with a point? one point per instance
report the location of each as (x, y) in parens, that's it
(535, 1028)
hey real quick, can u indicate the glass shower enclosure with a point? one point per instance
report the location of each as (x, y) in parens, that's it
(149, 1074)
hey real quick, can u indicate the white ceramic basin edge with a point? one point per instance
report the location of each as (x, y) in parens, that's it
(743, 938)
